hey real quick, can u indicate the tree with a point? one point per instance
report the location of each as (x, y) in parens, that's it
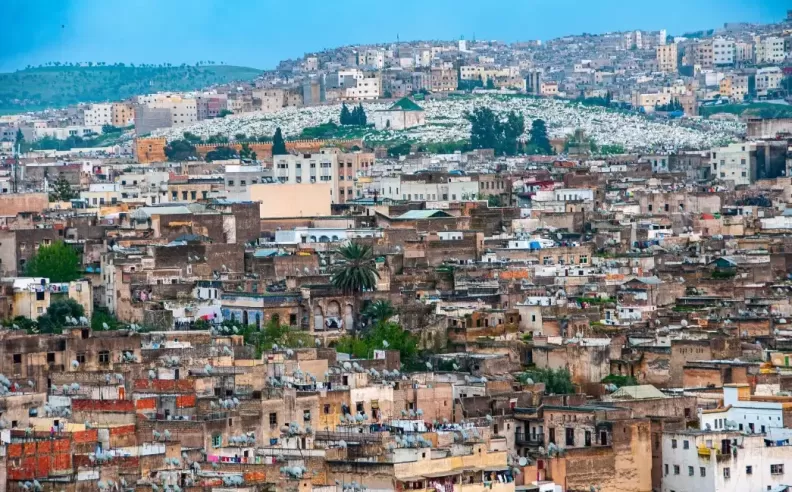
(557, 382)
(62, 190)
(346, 116)
(385, 335)
(484, 128)
(490, 83)
(360, 118)
(494, 201)
(278, 143)
(20, 138)
(224, 112)
(539, 140)
(246, 152)
(221, 154)
(179, 150)
(380, 311)
(274, 333)
(192, 138)
(54, 319)
(102, 318)
(58, 262)
(512, 131)
(355, 271)
(401, 149)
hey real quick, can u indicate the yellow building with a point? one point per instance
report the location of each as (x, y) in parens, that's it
(122, 115)
(32, 296)
(666, 57)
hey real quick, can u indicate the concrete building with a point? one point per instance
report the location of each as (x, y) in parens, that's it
(666, 56)
(769, 50)
(307, 168)
(723, 461)
(743, 51)
(735, 162)
(429, 187)
(723, 51)
(97, 115)
(123, 115)
(403, 114)
(148, 119)
(767, 79)
(280, 200)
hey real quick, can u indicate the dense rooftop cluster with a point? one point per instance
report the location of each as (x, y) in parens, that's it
(242, 293)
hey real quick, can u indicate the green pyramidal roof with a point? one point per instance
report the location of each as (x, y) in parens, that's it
(405, 104)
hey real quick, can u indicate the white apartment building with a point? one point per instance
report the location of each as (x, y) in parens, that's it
(769, 49)
(722, 51)
(368, 88)
(307, 168)
(183, 110)
(445, 189)
(743, 51)
(768, 78)
(735, 162)
(748, 413)
(725, 461)
(372, 58)
(98, 115)
(62, 133)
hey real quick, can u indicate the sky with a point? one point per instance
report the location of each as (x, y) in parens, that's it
(259, 33)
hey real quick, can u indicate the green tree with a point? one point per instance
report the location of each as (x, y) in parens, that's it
(192, 138)
(278, 143)
(380, 311)
(557, 382)
(401, 149)
(513, 129)
(54, 320)
(61, 190)
(221, 153)
(485, 128)
(274, 333)
(384, 335)
(346, 116)
(490, 83)
(58, 262)
(355, 271)
(224, 112)
(179, 150)
(246, 152)
(102, 318)
(20, 138)
(217, 138)
(494, 201)
(360, 115)
(539, 140)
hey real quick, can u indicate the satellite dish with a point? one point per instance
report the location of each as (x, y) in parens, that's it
(523, 461)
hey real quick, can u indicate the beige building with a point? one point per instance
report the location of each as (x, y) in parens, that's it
(666, 57)
(351, 166)
(123, 114)
(549, 89)
(292, 200)
(97, 115)
(32, 296)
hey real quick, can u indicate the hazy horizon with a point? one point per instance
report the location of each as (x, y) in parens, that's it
(263, 33)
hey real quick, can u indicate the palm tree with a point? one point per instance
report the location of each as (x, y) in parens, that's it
(380, 311)
(354, 272)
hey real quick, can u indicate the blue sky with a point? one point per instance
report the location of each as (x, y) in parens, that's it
(258, 33)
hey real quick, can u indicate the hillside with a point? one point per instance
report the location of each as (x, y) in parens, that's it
(42, 87)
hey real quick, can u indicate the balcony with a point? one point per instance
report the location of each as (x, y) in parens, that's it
(523, 439)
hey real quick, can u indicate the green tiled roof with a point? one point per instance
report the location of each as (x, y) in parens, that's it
(405, 104)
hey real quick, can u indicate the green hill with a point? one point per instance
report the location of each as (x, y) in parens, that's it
(45, 87)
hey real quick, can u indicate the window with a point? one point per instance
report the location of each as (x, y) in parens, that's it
(50, 357)
(673, 443)
(570, 436)
(691, 471)
(104, 357)
(676, 469)
(217, 440)
(749, 470)
(306, 415)
(666, 468)
(727, 473)
(81, 358)
(17, 358)
(777, 469)
(327, 408)
(703, 471)
(230, 182)
(273, 420)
